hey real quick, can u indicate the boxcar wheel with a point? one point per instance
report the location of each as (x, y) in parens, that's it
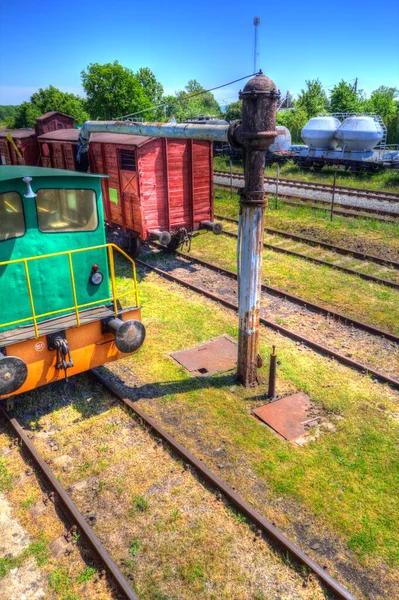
(135, 247)
(173, 244)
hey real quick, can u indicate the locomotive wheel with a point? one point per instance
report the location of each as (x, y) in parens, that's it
(173, 244)
(135, 247)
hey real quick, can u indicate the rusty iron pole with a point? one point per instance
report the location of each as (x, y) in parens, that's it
(272, 374)
(255, 134)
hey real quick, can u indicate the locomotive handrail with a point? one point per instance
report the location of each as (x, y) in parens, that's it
(76, 307)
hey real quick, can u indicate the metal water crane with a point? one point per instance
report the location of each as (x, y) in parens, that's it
(254, 134)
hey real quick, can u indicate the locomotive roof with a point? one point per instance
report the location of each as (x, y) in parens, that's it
(8, 172)
(72, 135)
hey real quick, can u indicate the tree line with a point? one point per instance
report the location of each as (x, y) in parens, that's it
(116, 92)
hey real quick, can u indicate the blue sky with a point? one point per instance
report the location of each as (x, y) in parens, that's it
(48, 42)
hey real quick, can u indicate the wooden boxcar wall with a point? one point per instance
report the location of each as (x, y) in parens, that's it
(58, 155)
(170, 188)
(28, 147)
(53, 122)
(121, 194)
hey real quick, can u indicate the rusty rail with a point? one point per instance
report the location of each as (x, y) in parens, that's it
(324, 350)
(298, 300)
(314, 242)
(233, 498)
(68, 507)
(324, 263)
(324, 187)
(346, 210)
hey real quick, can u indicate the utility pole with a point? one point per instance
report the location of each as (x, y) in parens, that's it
(355, 86)
(256, 45)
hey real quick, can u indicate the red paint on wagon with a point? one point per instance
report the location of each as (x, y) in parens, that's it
(153, 184)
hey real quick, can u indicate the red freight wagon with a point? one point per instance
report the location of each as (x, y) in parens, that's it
(19, 147)
(157, 188)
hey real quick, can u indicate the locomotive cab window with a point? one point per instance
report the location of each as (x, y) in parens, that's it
(66, 210)
(12, 221)
(127, 160)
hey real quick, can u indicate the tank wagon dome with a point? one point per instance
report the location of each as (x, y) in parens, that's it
(319, 132)
(359, 133)
(283, 140)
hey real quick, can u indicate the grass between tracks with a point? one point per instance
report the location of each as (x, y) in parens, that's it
(385, 181)
(348, 294)
(366, 235)
(346, 480)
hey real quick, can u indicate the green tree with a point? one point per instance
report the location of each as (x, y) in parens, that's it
(46, 100)
(345, 99)
(25, 117)
(294, 120)
(183, 106)
(113, 91)
(153, 89)
(8, 113)
(233, 111)
(384, 102)
(313, 100)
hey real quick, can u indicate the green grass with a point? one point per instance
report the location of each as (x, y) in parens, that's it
(139, 504)
(359, 299)
(86, 575)
(61, 583)
(367, 235)
(135, 546)
(37, 550)
(387, 180)
(5, 477)
(347, 479)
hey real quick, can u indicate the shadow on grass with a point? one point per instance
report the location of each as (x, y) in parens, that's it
(86, 396)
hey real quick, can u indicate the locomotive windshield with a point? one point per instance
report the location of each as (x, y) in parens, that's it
(12, 222)
(66, 210)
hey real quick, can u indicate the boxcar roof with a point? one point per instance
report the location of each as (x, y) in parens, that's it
(18, 171)
(52, 113)
(72, 135)
(17, 133)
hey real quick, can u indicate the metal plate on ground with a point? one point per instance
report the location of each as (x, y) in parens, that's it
(210, 357)
(291, 416)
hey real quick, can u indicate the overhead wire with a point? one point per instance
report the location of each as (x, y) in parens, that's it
(188, 97)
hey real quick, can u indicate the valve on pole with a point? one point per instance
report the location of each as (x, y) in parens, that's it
(255, 134)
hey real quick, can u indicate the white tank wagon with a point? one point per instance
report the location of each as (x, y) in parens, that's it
(279, 151)
(354, 142)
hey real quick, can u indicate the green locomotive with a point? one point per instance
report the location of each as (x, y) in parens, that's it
(59, 309)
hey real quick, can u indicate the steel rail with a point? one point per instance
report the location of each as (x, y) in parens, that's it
(351, 211)
(324, 263)
(297, 299)
(314, 242)
(68, 507)
(324, 350)
(235, 499)
(324, 187)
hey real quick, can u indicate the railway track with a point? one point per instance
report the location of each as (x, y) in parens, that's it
(323, 187)
(320, 348)
(62, 499)
(315, 242)
(232, 498)
(318, 261)
(340, 208)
